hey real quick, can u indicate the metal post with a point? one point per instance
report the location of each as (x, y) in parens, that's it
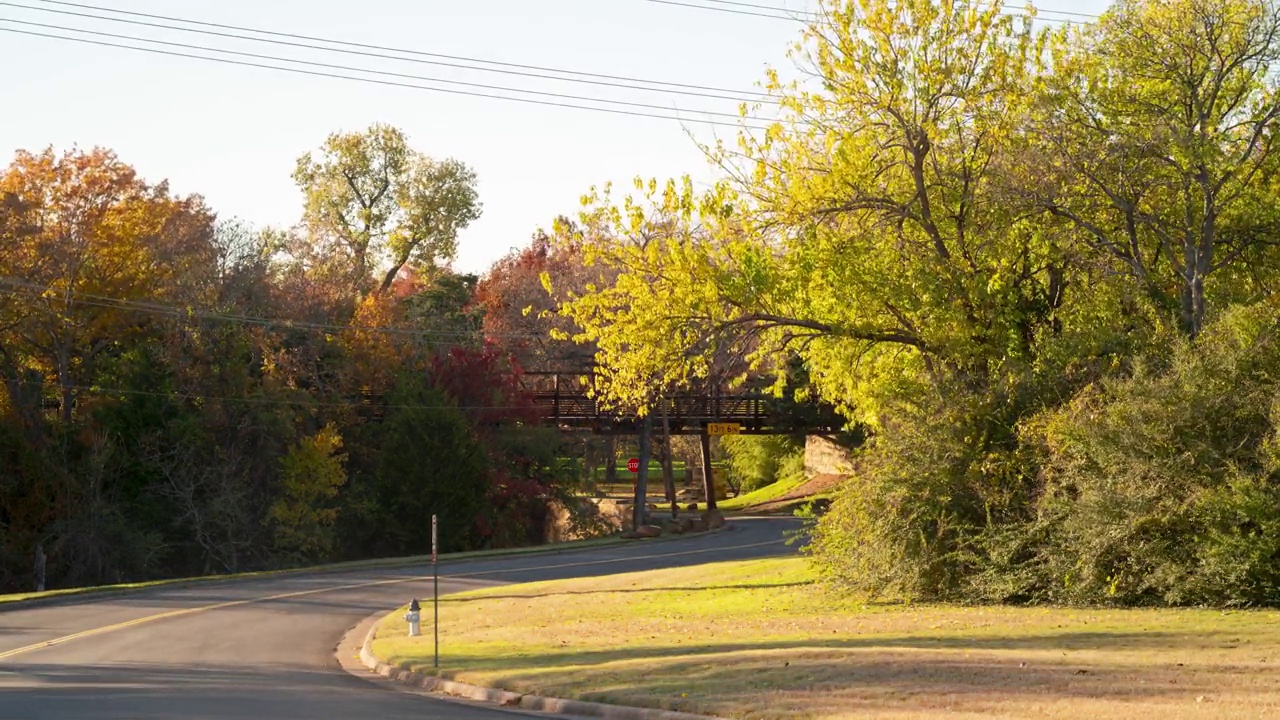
(708, 483)
(435, 589)
(555, 401)
(40, 565)
(642, 473)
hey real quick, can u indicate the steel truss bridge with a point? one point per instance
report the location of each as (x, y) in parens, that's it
(564, 400)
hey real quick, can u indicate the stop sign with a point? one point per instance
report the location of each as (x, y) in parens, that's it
(634, 465)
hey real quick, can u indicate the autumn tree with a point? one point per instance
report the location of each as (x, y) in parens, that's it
(311, 474)
(520, 294)
(381, 204)
(99, 238)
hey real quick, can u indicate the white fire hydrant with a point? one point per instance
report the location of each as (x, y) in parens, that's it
(413, 618)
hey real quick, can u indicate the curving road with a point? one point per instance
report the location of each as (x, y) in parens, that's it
(265, 648)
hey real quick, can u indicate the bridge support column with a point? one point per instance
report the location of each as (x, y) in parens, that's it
(668, 472)
(708, 483)
(642, 473)
(611, 462)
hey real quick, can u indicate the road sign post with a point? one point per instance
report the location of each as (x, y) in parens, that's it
(435, 588)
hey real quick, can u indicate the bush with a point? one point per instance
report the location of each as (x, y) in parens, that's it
(1162, 488)
(756, 460)
(930, 489)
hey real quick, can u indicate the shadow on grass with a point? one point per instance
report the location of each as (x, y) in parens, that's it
(870, 672)
(855, 683)
(1071, 641)
(646, 590)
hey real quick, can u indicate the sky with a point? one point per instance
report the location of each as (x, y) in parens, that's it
(233, 134)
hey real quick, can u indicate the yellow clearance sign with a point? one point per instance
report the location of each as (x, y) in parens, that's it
(724, 429)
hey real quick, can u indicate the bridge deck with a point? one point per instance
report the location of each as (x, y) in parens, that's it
(757, 414)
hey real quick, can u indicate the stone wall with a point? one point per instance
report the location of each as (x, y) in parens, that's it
(823, 457)
(596, 517)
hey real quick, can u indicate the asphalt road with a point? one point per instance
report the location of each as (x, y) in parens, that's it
(264, 649)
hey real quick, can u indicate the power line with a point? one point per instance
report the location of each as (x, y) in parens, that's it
(768, 11)
(349, 68)
(406, 51)
(388, 83)
(752, 97)
(17, 287)
(725, 10)
(756, 6)
(99, 390)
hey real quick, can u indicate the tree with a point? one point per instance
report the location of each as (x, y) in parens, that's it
(311, 476)
(382, 203)
(1156, 144)
(868, 244)
(865, 230)
(520, 294)
(424, 459)
(94, 230)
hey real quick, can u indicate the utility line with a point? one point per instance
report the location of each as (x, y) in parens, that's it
(388, 83)
(731, 11)
(384, 48)
(768, 11)
(349, 68)
(16, 287)
(99, 390)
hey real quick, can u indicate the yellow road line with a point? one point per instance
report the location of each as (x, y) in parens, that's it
(201, 609)
(336, 588)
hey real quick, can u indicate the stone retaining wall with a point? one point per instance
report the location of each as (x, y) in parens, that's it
(823, 457)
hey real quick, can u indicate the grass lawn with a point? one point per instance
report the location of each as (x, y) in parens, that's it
(760, 640)
(762, 495)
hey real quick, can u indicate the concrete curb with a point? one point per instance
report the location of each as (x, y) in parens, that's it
(506, 698)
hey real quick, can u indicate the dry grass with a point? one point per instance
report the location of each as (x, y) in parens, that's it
(759, 640)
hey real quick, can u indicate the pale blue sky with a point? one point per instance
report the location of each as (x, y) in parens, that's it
(232, 134)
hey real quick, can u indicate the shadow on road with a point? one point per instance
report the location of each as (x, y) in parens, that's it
(187, 692)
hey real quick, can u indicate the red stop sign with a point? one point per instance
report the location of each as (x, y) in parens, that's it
(634, 465)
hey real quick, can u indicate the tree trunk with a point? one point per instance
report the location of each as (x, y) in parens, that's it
(67, 392)
(708, 484)
(642, 476)
(668, 472)
(611, 462)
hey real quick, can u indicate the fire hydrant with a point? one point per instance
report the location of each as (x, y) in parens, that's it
(412, 617)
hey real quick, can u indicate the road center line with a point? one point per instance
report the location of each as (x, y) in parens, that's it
(351, 586)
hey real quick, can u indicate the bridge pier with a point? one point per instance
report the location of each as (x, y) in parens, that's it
(668, 472)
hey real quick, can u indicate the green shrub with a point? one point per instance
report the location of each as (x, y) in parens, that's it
(756, 460)
(1161, 488)
(930, 486)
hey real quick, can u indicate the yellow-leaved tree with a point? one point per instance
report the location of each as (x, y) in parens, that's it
(311, 476)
